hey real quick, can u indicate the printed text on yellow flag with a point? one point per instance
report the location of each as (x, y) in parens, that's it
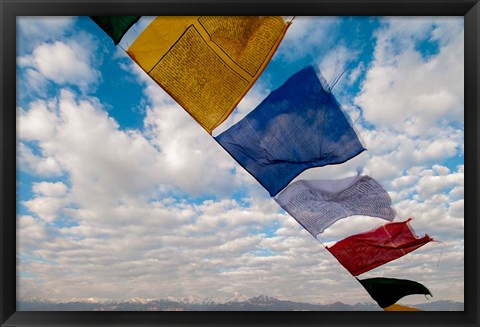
(207, 63)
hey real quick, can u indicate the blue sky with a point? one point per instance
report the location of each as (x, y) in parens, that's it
(121, 194)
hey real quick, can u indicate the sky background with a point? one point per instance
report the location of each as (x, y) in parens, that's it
(120, 194)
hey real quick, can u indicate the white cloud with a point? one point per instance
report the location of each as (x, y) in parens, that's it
(104, 163)
(212, 244)
(189, 153)
(335, 63)
(34, 81)
(38, 165)
(431, 185)
(441, 170)
(57, 189)
(305, 37)
(391, 153)
(403, 182)
(49, 200)
(30, 231)
(202, 254)
(33, 31)
(67, 62)
(38, 123)
(406, 92)
(171, 155)
(46, 208)
(143, 221)
(354, 73)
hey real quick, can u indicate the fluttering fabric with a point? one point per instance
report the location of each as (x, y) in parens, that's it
(317, 204)
(362, 252)
(387, 291)
(298, 126)
(208, 63)
(115, 26)
(399, 307)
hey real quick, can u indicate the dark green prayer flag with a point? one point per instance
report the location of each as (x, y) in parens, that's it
(387, 291)
(115, 26)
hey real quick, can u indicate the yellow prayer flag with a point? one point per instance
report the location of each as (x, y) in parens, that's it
(207, 63)
(398, 307)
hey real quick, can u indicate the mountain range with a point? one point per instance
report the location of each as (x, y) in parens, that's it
(238, 303)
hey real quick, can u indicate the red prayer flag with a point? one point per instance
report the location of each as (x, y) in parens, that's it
(362, 252)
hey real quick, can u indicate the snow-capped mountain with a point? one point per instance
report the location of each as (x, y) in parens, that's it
(237, 297)
(197, 303)
(262, 299)
(197, 300)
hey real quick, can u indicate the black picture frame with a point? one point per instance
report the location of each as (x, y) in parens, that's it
(10, 9)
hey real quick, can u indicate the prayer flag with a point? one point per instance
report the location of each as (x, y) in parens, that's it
(115, 26)
(298, 126)
(317, 204)
(398, 307)
(207, 63)
(387, 291)
(362, 252)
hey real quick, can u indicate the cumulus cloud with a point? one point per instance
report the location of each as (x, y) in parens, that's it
(189, 151)
(354, 73)
(56, 189)
(212, 250)
(430, 185)
(30, 232)
(213, 238)
(391, 153)
(46, 208)
(36, 123)
(170, 155)
(60, 63)
(42, 166)
(70, 61)
(305, 37)
(163, 211)
(410, 93)
(186, 148)
(32, 31)
(335, 63)
(49, 201)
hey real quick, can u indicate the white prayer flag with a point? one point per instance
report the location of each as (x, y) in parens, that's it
(317, 204)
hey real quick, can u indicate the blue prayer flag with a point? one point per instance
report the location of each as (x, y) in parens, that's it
(298, 126)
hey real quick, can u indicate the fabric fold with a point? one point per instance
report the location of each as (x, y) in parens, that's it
(387, 291)
(207, 63)
(362, 252)
(317, 204)
(115, 26)
(298, 126)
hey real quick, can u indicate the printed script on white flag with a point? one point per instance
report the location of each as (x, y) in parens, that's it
(317, 204)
